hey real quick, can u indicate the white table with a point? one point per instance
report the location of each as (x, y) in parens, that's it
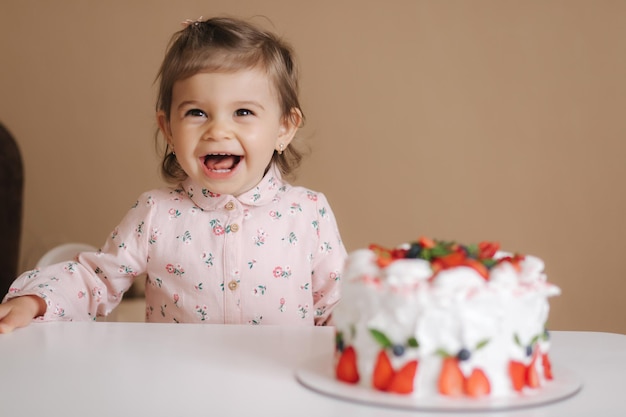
(177, 370)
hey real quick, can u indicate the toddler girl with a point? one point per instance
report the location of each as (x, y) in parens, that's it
(230, 241)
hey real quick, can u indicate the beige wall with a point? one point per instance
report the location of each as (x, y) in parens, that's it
(465, 120)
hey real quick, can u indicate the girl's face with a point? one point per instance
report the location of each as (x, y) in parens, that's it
(224, 128)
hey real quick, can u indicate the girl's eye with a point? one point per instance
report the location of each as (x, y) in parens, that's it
(195, 113)
(244, 112)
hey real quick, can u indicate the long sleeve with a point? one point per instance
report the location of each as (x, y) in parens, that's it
(327, 264)
(95, 282)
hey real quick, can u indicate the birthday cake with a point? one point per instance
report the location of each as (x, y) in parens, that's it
(435, 318)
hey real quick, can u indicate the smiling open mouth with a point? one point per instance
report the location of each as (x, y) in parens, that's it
(221, 162)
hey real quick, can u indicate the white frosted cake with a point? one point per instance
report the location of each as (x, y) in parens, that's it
(436, 318)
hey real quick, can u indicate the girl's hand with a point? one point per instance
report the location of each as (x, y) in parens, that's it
(20, 311)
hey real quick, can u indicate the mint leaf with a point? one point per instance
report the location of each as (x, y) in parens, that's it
(472, 251)
(442, 353)
(482, 344)
(439, 251)
(489, 263)
(412, 342)
(535, 339)
(381, 338)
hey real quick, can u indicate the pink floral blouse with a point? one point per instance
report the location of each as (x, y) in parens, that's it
(270, 256)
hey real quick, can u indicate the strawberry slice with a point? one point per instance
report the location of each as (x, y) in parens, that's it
(436, 265)
(452, 259)
(383, 372)
(451, 379)
(383, 262)
(477, 384)
(426, 242)
(398, 253)
(383, 255)
(346, 369)
(478, 267)
(515, 261)
(487, 250)
(532, 376)
(517, 372)
(402, 382)
(547, 366)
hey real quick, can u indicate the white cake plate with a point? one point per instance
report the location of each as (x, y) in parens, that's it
(318, 376)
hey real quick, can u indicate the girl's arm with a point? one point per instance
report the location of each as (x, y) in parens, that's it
(328, 264)
(20, 311)
(93, 284)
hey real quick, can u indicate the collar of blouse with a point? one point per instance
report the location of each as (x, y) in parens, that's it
(264, 192)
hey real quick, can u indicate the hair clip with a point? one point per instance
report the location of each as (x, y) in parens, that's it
(187, 22)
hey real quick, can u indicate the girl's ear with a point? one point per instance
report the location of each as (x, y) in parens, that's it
(288, 128)
(164, 126)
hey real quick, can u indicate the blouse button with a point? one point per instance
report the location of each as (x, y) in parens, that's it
(234, 228)
(233, 285)
(229, 206)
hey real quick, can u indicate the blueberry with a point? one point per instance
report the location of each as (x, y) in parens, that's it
(529, 350)
(546, 334)
(398, 350)
(464, 354)
(414, 251)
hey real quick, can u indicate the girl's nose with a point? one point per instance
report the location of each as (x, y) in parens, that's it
(218, 129)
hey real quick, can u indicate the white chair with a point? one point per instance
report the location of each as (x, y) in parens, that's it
(64, 252)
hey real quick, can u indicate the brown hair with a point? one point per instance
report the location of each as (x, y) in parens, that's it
(225, 45)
